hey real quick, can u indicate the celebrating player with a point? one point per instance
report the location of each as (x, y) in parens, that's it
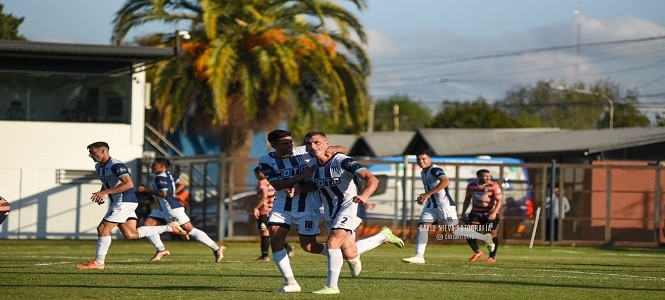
(336, 176)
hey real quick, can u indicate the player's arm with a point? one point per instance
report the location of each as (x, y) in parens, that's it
(290, 182)
(263, 197)
(371, 184)
(126, 183)
(336, 149)
(467, 201)
(443, 183)
(498, 202)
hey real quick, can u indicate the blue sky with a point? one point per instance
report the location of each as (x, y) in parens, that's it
(432, 49)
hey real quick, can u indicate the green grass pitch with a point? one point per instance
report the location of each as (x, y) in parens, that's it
(44, 269)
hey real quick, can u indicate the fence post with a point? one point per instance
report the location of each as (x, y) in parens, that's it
(608, 207)
(549, 212)
(221, 191)
(656, 211)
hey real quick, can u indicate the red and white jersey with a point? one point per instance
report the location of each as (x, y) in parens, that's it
(483, 196)
(264, 187)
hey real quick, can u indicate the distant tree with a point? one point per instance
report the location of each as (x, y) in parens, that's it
(9, 26)
(569, 109)
(412, 114)
(475, 114)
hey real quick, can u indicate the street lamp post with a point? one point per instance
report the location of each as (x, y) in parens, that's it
(609, 101)
(184, 34)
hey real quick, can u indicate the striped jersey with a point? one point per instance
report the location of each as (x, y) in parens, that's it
(164, 182)
(110, 174)
(483, 196)
(431, 178)
(264, 187)
(338, 183)
(282, 168)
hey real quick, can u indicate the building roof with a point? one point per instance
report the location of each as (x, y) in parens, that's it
(38, 56)
(381, 143)
(588, 141)
(346, 140)
(463, 141)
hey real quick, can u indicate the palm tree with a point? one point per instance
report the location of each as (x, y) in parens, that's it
(253, 63)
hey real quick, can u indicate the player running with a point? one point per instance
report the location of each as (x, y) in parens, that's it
(171, 210)
(117, 184)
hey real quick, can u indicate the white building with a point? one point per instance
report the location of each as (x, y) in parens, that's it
(70, 96)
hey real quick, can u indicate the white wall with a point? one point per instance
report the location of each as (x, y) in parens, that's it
(32, 152)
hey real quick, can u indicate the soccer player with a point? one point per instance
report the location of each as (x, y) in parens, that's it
(117, 184)
(171, 210)
(286, 168)
(266, 195)
(337, 177)
(439, 205)
(485, 198)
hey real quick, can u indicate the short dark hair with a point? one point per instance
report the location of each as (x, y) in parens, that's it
(163, 161)
(481, 171)
(313, 133)
(277, 134)
(424, 152)
(257, 169)
(96, 145)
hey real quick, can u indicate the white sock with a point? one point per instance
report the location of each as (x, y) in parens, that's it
(156, 241)
(335, 261)
(150, 230)
(284, 265)
(103, 244)
(370, 243)
(203, 238)
(421, 242)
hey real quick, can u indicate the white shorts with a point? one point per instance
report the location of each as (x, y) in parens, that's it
(307, 222)
(176, 214)
(444, 214)
(122, 212)
(347, 218)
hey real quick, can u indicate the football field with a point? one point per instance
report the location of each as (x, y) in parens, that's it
(44, 269)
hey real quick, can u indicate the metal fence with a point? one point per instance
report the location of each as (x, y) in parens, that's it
(616, 203)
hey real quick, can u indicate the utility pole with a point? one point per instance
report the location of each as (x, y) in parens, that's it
(395, 117)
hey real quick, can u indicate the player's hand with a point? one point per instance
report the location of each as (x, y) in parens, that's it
(291, 192)
(140, 188)
(256, 213)
(422, 198)
(98, 197)
(359, 199)
(491, 216)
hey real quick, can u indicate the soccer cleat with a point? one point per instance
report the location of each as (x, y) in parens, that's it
(160, 254)
(355, 265)
(178, 230)
(476, 256)
(327, 291)
(490, 260)
(414, 260)
(490, 245)
(219, 254)
(391, 238)
(262, 259)
(91, 264)
(289, 288)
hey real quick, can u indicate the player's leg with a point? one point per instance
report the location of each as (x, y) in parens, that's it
(279, 224)
(156, 239)
(264, 234)
(308, 229)
(422, 238)
(201, 236)
(494, 246)
(103, 243)
(334, 243)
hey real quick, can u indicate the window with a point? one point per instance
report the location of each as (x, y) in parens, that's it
(48, 96)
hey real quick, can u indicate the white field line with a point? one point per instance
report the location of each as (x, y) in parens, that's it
(582, 274)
